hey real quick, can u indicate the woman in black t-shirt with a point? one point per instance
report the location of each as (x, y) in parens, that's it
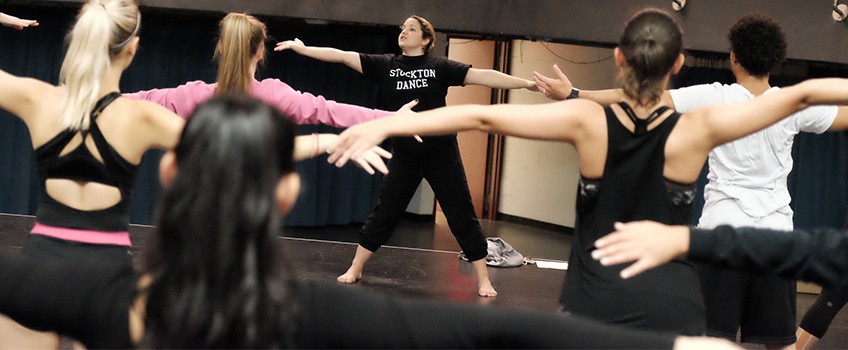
(417, 75)
(638, 161)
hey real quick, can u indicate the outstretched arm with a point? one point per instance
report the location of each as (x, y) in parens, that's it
(309, 146)
(841, 120)
(727, 122)
(15, 22)
(20, 95)
(560, 88)
(326, 54)
(160, 128)
(181, 100)
(817, 256)
(497, 80)
(562, 121)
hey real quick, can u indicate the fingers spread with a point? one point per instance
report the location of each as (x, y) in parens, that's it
(635, 269)
(559, 73)
(381, 152)
(364, 165)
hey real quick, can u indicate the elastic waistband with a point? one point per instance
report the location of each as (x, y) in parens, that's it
(121, 238)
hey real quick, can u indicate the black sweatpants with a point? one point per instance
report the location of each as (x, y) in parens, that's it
(441, 165)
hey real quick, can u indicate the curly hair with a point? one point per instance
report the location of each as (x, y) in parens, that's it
(759, 43)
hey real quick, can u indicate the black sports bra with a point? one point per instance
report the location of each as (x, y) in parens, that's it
(81, 165)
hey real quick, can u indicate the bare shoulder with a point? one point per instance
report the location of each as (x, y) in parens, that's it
(38, 93)
(585, 112)
(141, 110)
(578, 120)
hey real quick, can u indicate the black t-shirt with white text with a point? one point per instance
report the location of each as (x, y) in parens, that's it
(406, 78)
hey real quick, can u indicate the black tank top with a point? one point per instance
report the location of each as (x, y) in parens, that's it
(632, 188)
(81, 165)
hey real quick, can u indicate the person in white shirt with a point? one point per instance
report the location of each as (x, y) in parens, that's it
(747, 181)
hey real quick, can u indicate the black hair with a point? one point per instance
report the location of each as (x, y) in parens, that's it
(217, 282)
(758, 42)
(651, 42)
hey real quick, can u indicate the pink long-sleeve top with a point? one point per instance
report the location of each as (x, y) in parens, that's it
(304, 107)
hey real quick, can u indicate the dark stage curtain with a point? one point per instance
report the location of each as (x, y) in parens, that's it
(177, 48)
(818, 182)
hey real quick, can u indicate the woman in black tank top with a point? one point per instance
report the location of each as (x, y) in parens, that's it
(638, 161)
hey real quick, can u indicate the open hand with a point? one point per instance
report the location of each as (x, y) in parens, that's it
(15, 22)
(555, 89)
(290, 45)
(356, 140)
(373, 159)
(648, 243)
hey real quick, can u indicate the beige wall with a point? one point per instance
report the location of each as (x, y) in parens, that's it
(473, 144)
(540, 177)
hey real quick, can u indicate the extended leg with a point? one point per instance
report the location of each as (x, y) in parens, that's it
(397, 189)
(447, 177)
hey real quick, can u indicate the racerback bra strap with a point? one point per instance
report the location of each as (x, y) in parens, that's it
(106, 153)
(641, 125)
(103, 103)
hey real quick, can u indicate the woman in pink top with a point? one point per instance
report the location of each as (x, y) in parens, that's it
(240, 49)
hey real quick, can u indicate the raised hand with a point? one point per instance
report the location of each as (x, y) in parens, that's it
(15, 22)
(290, 45)
(648, 243)
(555, 89)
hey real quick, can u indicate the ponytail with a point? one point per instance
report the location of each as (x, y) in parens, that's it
(102, 30)
(241, 37)
(651, 43)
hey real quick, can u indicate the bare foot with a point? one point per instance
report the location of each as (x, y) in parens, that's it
(486, 290)
(351, 276)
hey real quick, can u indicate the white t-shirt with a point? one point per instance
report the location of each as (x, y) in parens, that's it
(752, 170)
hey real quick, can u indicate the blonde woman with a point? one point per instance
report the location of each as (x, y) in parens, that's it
(239, 51)
(88, 141)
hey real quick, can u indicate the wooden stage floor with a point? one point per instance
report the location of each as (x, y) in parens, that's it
(420, 261)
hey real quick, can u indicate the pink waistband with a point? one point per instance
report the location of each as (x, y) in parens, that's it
(85, 236)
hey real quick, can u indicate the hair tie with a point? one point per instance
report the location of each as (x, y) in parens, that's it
(134, 34)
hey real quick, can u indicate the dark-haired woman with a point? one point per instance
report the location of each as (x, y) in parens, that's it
(239, 51)
(213, 276)
(638, 160)
(747, 181)
(418, 75)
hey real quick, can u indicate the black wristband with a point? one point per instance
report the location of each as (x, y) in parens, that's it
(575, 93)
